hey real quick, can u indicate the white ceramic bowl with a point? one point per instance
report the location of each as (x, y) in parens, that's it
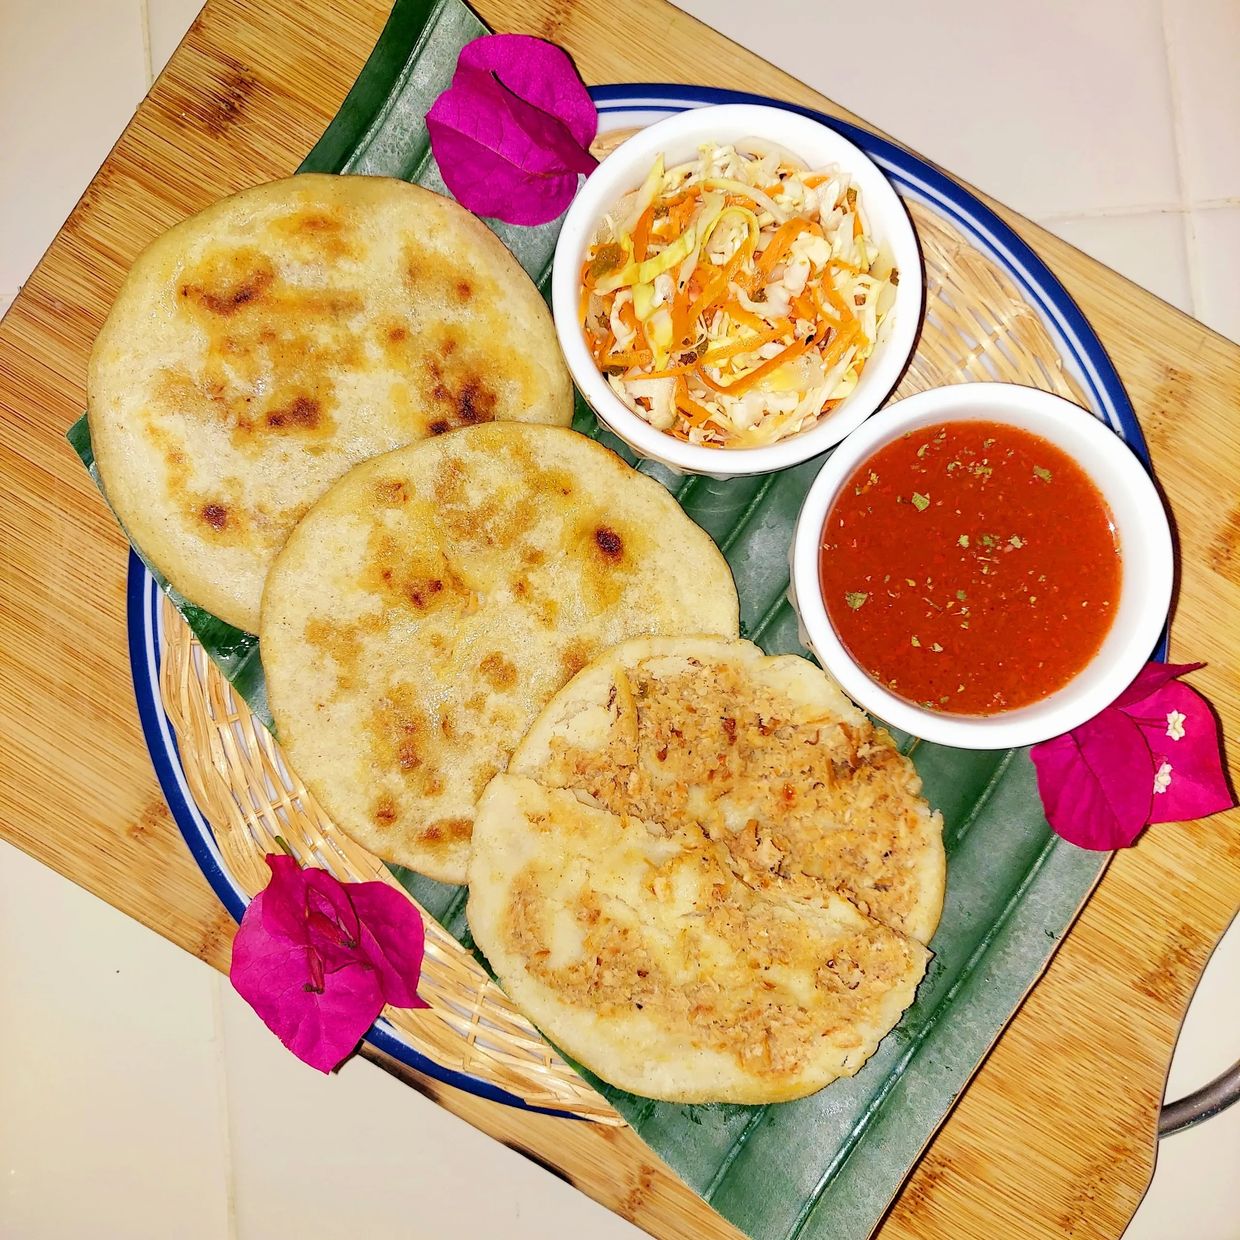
(678, 138)
(1145, 545)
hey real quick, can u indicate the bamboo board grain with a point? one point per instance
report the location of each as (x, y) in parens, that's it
(1055, 1136)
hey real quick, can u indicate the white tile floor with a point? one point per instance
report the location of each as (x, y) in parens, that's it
(171, 1112)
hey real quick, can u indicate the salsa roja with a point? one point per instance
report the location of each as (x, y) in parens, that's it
(970, 567)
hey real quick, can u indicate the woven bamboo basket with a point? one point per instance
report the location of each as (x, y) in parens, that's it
(977, 327)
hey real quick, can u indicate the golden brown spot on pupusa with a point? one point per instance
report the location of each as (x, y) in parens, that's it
(468, 398)
(383, 811)
(317, 228)
(609, 543)
(496, 522)
(228, 281)
(544, 606)
(438, 280)
(423, 582)
(175, 462)
(401, 741)
(607, 557)
(397, 344)
(546, 484)
(549, 481)
(260, 333)
(447, 831)
(575, 656)
(498, 672)
(481, 778)
(449, 484)
(215, 515)
(339, 643)
(390, 492)
(303, 412)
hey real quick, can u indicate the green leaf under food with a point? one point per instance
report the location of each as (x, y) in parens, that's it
(826, 1166)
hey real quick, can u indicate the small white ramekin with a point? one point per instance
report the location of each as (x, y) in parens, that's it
(678, 138)
(1145, 546)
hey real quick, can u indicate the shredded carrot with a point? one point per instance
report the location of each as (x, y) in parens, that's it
(842, 339)
(669, 372)
(856, 224)
(838, 304)
(784, 236)
(680, 216)
(737, 312)
(803, 305)
(694, 191)
(747, 346)
(716, 287)
(697, 415)
(603, 346)
(743, 384)
(813, 182)
(638, 357)
(641, 233)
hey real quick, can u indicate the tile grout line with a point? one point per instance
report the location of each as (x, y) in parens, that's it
(1187, 231)
(222, 1105)
(144, 21)
(1134, 209)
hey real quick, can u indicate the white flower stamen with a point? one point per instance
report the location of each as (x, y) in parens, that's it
(1175, 725)
(1162, 778)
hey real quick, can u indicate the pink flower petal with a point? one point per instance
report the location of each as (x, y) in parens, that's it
(330, 916)
(1198, 783)
(1097, 782)
(284, 906)
(310, 907)
(392, 940)
(481, 154)
(274, 976)
(1151, 678)
(539, 72)
(511, 134)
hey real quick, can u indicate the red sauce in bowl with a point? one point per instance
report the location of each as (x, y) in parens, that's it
(970, 567)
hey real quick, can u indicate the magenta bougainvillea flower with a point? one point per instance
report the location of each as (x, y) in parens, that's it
(1154, 755)
(513, 131)
(317, 959)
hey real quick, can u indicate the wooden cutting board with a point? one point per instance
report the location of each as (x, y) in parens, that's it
(1055, 1136)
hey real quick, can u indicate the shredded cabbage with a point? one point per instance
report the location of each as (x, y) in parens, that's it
(733, 299)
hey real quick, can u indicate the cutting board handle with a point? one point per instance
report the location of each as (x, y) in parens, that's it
(1202, 1104)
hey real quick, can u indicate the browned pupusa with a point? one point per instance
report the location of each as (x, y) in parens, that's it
(432, 602)
(260, 349)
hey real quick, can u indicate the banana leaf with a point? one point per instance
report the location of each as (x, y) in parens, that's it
(826, 1166)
